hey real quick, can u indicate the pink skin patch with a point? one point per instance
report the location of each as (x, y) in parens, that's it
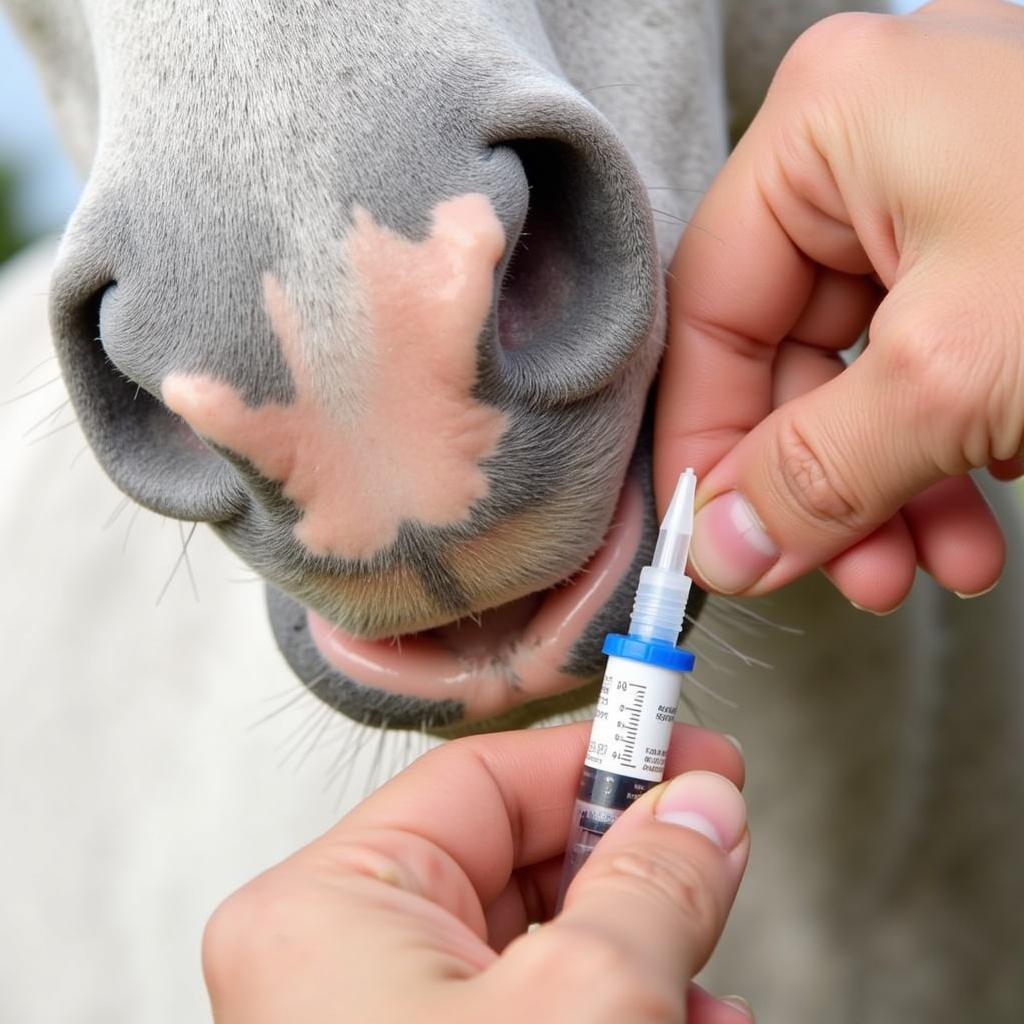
(415, 449)
(529, 667)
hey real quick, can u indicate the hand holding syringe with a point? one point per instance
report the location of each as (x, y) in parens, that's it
(640, 693)
(442, 868)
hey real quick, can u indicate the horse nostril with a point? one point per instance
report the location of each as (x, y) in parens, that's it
(540, 276)
(580, 293)
(151, 454)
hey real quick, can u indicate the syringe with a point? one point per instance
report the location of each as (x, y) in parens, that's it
(640, 693)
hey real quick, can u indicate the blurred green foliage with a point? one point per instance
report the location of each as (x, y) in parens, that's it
(12, 238)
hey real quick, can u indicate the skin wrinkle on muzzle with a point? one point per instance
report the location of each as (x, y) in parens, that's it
(243, 276)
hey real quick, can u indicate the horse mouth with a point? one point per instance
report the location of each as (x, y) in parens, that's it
(533, 651)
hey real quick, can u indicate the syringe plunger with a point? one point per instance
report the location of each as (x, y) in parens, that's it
(661, 596)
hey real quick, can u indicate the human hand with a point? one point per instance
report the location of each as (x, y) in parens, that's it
(887, 158)
(415, 906)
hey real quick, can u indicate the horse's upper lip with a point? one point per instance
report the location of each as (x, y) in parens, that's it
(526, 663)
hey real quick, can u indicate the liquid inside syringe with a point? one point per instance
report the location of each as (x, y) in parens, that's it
(640, 693)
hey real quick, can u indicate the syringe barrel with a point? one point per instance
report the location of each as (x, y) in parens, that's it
(592, 816)
(628, 740)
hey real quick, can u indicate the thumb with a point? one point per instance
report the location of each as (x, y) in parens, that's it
(658, 887)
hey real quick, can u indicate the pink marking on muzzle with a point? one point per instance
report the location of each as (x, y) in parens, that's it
(528, 668)
(415, 452)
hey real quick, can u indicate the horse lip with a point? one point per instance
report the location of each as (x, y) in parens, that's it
(528, 665)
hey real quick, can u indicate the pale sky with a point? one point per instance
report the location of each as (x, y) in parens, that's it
(27, 141)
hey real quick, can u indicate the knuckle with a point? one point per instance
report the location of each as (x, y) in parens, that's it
(939, 360)
(680, 882)
(228, 940)
(1006, 420)
(811, 483)
(457, 753)
(461, 758)
(246, 932)
(367, 856)
(829, 46)
(925, 355)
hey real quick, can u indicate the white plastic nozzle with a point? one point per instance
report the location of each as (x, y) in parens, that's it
(661, 596)
(677, 527)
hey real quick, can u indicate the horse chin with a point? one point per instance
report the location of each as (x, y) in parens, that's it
(521, 662)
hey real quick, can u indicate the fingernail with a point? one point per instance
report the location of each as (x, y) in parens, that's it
(979, 593)
(738, 1003)
(706, 803)
(872, 611)
(730, 548)
(734, 741)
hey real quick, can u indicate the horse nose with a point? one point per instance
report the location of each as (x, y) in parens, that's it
(236, 362)
(409, 434)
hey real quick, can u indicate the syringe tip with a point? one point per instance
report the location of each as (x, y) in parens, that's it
(660, 604)
(677, 526)
(679, 515)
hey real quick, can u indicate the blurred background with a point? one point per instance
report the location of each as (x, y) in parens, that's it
(38, 187)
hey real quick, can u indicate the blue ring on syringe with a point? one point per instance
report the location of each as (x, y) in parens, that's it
(650, 652)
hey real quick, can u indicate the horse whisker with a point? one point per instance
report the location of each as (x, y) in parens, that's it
(51, 415)
(81, 451)
(177, 564)
(711, 693)
(297, 737)
(128, 531)
(361, 731)
(38, 366)
(371, 775)
(31, 391)
(115, 515)
(56, 430)
(724, 645)
(326, 720)
(188, 561)
(756, 616)
(716, 665)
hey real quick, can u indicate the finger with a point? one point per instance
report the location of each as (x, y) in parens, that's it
(1006, 469)
(800, 368)
(640, 917)
(659, 885)
(825, 470)
(461, 819)
(529, 897)
(838, 311)
(532, 892)
(739, 284)
(959, 542)
(356, 895)
(701, 1006)
(877, 573)
(704, 1008)
(736, 287)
